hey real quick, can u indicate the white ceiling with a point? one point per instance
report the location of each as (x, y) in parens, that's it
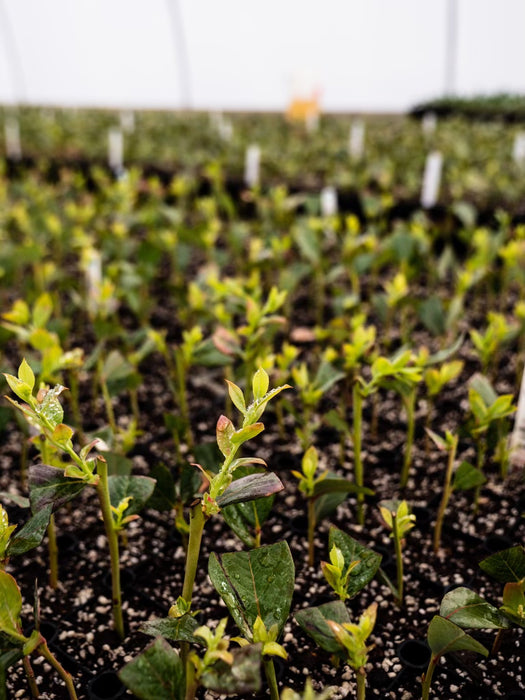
(244, 54)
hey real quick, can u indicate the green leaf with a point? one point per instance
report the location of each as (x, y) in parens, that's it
(155, 674)
(176, 629)
(62, 433)
(10, 605)
(313, 622)
(467, 477)
(243, 518)
(138, 488)
(42, 310)
(352, 550)
(50, 407)
(514, 602)
(247, 488)
(31, 534)
(255, 583)
(20, 501)
(337, 484)
(260, 383)
(506, 566)
(246, 433)
(49, 486)
(444, 636)
(21, 389)
(237, 397)
(26, 375)
(467, 609)
(241, 678)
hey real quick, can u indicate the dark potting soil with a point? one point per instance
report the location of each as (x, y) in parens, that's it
(76, 617)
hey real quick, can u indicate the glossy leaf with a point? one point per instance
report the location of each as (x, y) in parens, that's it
(138, 488)
(352, 551)
(237, 397)
(247, 488)
(176, 629)
(49, 486)
(467, 477)
(514, 602)
(31, 534)
(444, 636)
(246, 433)
(467, 609)
(155, 674)
(164, 494)
(10, 605)
(314, 622)
(50, 407)
(255, 583)
(506, 566)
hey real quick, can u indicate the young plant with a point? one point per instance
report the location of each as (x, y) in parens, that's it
(52, 487)
(464, 478)
(308, 694)
(352, 566)
(323, 491)
(397, 517)
(488, 344)
(15, 645)
(331, 628)
(445, 637)
(222, 489)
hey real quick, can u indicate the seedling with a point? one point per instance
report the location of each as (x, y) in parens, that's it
(488, 344)
(444, 637)
(51, 487)
(15, 645)
(308, 694)
(352, 566)
(331, 628)
(465, 477)
(397, 517)
(323, 492)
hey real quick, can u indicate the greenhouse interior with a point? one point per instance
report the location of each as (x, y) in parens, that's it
(262, 347)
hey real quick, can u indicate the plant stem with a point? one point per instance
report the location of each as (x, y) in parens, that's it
(399, 560)
(30, 675)
(110, 413)
(409, 403)
(357, 406)
(194, 546)
(497, 642)
(112, 536)
(445, 497)
(311, 530)
(361, 683)
(66, 677)
(191, 682)
(427, 678)
(75, 408)
(53, 552)
(269, 670)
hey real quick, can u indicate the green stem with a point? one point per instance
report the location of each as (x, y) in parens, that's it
(361, 683)
(110, 413)
(409, 403)
(399, 560)
(191, 681)
(66, 677)
(75, 406)
(197, 521)
(311, 531)
(357, 406)
(53, 552)
(112, 536)
(269, 670)
(427, 678)
(445, 497)
(180, 371)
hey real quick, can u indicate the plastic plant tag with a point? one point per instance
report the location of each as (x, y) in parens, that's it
(329, 206)
(518, 149)
(252, 165)
(429, 123)
(116, 150)
(356, 140)
(431, 179)
(127, 121)
(517, 438)
(13, 147)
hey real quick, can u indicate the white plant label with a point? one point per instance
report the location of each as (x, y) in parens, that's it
(13, 146)
(356, 140)
(116, 150)
(93, 280)
(329, 205)
(252, 165)
(518, 150)
(127, 121)
(431, 179)
(517, 439)
(429, 123)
